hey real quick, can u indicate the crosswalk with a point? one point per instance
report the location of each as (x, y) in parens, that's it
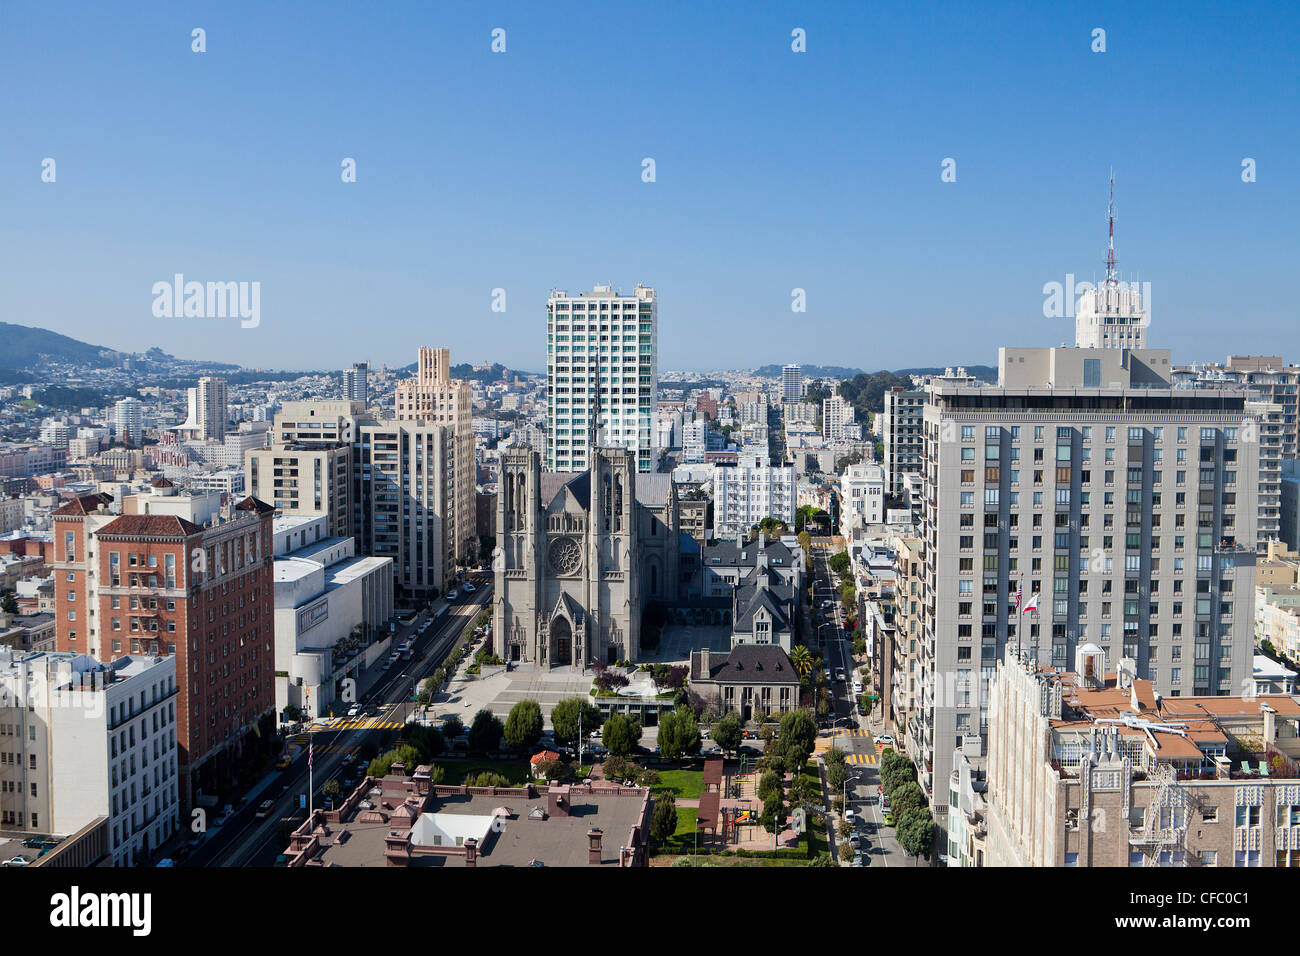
(336, 749)
(870, 758)
(839, 740)
(369, 723)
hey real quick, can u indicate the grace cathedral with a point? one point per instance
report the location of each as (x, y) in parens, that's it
(582, 554)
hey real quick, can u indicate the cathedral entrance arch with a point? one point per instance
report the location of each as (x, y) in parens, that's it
(561, 642)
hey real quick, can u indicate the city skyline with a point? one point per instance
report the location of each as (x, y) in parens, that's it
(783, 184)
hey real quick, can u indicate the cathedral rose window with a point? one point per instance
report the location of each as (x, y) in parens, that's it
(566, 556)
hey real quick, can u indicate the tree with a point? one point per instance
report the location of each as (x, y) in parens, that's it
(679, 734)
(768, 784)
(844, 829)
(485, 732)
(453, 726)
(798, 729)
(727, 731)
(839, 563)
(330, 788)
(551, 769)
(663, 823)
(917, 838)
(427, 740)
(564, 718)
(524, 725)
(620, 768)
(846, 851)
(802, 660)
(9, 603)
(906, 795)
(822, 859)
(621, 734)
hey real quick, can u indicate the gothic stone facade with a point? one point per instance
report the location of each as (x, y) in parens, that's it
(581, 554)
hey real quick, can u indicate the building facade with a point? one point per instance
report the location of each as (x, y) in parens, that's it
(582, 556)
(601, 362)
(749, 491)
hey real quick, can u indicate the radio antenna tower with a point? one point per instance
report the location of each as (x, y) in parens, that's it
(1111, 278)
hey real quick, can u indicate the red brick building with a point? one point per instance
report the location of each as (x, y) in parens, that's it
(146, 582)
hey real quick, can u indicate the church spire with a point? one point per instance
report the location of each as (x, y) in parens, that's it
(593, 424)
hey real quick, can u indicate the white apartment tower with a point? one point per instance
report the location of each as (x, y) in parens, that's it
(749, 491)
(355, 385)
(601, 358)
(901, 435)
(1112, 316)
(791, 383)
(836, 413)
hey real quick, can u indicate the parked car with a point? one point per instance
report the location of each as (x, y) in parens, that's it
(451, 595)
(15, 861)
(889, 818)
(848, 814)
(885, 740)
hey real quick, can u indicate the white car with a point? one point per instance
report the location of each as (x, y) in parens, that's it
(885, 740)
(354, 710)
(857, 687)
(848, 815)
(451, 595)
(468, 588)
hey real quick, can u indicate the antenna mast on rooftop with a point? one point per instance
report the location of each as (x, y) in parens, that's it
(1111, 278)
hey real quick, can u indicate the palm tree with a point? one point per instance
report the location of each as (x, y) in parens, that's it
(802, 660)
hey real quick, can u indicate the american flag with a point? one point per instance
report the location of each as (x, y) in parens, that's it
(311, 745)
(1019, 594)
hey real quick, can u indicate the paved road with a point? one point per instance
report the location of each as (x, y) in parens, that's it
(247, 841)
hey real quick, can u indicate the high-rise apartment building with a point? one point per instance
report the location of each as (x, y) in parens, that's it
(791, 383)
(183, 576)
(1271, 379)
(403, 503)
(901, 435)
(836, 413)
(601, 360)
(207, 415)
(355, 385)
(433, 397)
(128, 421)
(1127, 507)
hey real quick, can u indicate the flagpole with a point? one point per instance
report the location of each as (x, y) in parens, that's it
(311, 753)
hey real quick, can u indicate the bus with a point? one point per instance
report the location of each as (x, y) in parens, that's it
(405, 650)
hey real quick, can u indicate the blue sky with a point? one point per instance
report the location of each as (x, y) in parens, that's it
(522, 171)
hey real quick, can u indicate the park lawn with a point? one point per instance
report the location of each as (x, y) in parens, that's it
(682, 784)
(515, 771)
(684, 838)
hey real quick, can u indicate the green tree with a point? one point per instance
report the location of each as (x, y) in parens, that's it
(839, 563)
(523, 725)
(726, 732)
(906, 795)
(798, 730)
(485, 732)
(621, 734)
(846, 852)
(663, 823)
(822, 859)
(679, 734)
(768, 784)
(564, 718)
(917, 838)
(330, 788)
(453, 726)
(428, 741)
(802, 660)
(9, 603)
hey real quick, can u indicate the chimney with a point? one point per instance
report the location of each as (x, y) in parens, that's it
(704, 664)
(471, 852)
(593, 847)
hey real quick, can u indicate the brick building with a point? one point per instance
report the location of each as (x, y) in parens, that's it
(178, 575)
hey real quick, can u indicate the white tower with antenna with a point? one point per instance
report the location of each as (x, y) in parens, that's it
(1111, 316)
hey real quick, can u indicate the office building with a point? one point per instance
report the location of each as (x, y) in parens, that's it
(1127, 508)
(601, 353)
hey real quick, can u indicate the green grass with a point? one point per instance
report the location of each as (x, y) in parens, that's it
(515, 771)
(682, 784)
(683, 840)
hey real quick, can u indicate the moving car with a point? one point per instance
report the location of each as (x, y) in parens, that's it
(885, 740)
(451, 595)
(468, 588)
(354, 710)
(889, 818)
(283, 763)
(264, 809)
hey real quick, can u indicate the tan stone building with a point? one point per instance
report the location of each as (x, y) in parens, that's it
(1096, 769)
(433, 397)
